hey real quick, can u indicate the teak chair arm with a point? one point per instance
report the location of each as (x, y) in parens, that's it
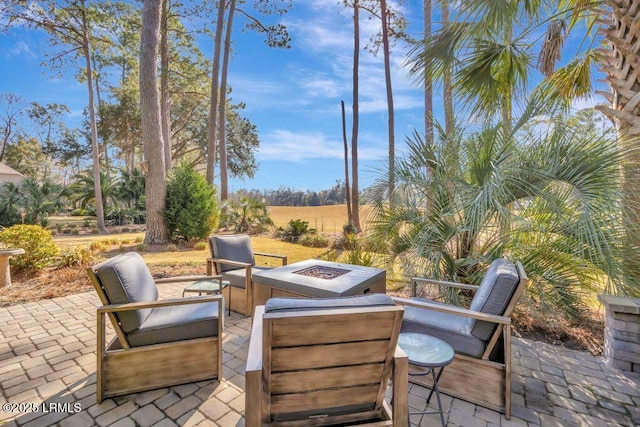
(416, 280)
(212, 261)
(450, 309)
(238, 264)
(281, 257)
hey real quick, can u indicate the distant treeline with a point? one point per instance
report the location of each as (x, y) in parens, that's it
(290, 197)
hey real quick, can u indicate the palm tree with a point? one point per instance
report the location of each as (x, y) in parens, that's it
(83, 190)
(131, 188)
(246, 215)
(40, 200)
(492, 45)
(543, 192)
(11, 198)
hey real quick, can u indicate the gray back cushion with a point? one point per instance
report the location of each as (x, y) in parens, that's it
(494, 294)
(126, 279)
(303, 304)
(235, 247)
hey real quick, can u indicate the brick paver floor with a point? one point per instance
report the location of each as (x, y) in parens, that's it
(47, 356)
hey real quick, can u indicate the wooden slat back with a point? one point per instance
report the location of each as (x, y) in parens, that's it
(327, 359)
(336, 328)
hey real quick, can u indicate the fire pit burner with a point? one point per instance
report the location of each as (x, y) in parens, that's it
(322, 272)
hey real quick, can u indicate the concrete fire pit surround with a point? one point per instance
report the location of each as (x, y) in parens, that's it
(286, 282)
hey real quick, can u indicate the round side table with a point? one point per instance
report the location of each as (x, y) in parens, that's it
(207, 287)
(432, 354)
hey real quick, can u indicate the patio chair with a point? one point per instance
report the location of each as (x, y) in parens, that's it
(157, 343)
(233, 258)
(320, 362)
(480, 335)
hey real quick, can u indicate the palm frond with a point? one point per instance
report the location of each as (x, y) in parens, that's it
(552, 46)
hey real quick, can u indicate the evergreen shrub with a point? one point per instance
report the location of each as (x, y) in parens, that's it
(191, 208)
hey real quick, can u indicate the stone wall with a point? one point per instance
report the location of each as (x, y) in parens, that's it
(622, 332)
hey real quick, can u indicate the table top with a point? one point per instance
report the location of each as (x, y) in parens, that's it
(207, 286)
(355, 279)
(425, 350)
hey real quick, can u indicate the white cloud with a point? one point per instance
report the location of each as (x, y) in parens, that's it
(283, 144)
(21, 48)
(329, 35)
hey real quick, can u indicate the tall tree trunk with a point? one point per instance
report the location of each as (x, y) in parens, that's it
(355, 198)
(156, 186)
(391, 114)
(222, 130)
(213, 103)
(622, 69)
(93, 124)
(428, 84)
(165, 107)
(347, 187)
(105, 144)
(446, 81)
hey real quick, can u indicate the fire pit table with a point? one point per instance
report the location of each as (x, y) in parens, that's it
(315, 278)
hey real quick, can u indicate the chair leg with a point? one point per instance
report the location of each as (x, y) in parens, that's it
(400, 391)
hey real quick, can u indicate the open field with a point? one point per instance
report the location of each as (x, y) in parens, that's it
(325, 219)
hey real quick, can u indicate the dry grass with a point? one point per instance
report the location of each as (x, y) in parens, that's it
(325, 219)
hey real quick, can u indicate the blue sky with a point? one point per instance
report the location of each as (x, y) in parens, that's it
(293, 95)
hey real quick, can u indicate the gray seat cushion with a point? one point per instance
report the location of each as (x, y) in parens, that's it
(455, 330)
(302, 304)
(493, 295)
(466, 335)
(237, 277)
(234, 247)
(126, 279)
(177, 323)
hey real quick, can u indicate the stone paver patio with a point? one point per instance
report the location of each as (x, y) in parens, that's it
(47, 355)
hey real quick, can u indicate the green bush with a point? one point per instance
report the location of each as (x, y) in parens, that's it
(191, 208)
(36, 241)
(293, 230)
(98, 246)
(201, 246)
(357, 256)
(79, 255)
(314, 240)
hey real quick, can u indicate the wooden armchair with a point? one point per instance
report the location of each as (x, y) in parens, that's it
(157, 343)
(233, 258)
(320, 362)
(480, 335)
